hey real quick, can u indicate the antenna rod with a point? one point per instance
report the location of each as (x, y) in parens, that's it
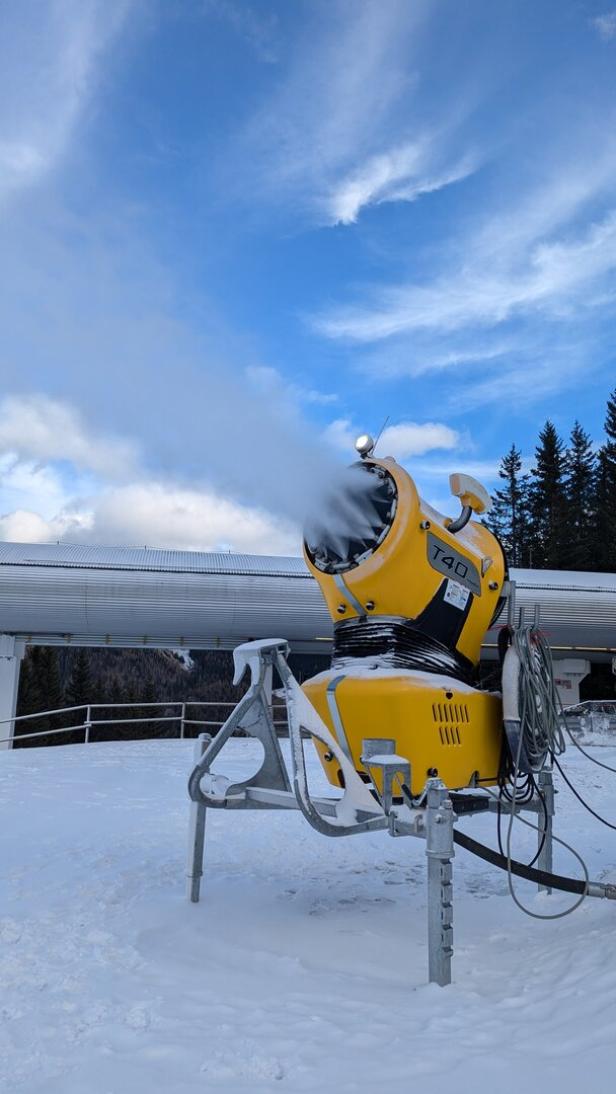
(378, 436)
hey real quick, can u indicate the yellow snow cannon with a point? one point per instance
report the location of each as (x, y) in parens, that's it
(411, 593)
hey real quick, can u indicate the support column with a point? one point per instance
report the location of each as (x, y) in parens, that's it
(439, 852)
(544, 861)
(11, 653)
(568, 675)
(196, 832)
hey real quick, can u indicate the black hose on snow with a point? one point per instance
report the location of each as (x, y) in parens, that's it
(541, 877)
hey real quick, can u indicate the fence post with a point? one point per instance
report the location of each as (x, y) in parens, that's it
(88, 725)
(182, 717)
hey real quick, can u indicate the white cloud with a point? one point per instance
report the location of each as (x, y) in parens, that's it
(48, 55)
(403, 173)
(28, 526)
(156, 514)
(46, 429)
(24, 526)
(29, 484)
(46, 498)
(340, 434)
(606, 25)
(409, 439)
(402, 441)
(161, 514)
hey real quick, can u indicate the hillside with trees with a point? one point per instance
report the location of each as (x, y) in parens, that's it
(55, 677)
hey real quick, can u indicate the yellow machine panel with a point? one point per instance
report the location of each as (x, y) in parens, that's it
(411, 593)
(453, 732)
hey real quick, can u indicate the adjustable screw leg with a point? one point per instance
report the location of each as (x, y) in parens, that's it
(440, 853)
(544, 861)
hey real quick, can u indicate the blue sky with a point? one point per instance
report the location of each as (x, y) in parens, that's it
(233, 234)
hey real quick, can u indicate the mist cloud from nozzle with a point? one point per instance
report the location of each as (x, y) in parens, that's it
(353, 511)
(99, 327)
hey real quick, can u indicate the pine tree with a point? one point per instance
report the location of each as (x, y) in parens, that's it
(605, 524)
(580, 502)
(547, 501)
(509, 517)
(149, 695)
(41, 690)
(79, 687)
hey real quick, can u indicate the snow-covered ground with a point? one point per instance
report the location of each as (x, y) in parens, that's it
(304, 967)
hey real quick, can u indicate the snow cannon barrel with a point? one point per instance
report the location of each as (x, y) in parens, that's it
(402, 581)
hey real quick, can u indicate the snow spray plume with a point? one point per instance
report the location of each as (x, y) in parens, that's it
(345, 514)
(152, 373)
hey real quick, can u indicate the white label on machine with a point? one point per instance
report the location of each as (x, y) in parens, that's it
(456, 594)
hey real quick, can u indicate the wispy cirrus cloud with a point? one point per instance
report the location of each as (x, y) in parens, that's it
(523, 285)
(342, 131)
(558, 276)
(402, 173)
(48, 59)
(537, 257)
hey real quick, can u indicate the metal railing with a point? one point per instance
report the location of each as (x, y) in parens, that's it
(89, 722)
(593, 706)
(594, 717)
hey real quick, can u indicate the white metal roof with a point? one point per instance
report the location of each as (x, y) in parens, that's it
(574, 580)
(142, 596)
(149, 558)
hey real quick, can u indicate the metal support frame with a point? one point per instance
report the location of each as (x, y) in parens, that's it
(431, 817)
(196, 832)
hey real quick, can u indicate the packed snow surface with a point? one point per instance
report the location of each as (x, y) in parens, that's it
(304, 966)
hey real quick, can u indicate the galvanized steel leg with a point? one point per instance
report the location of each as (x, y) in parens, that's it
(544, 861)
(196, 832)
(439, 852)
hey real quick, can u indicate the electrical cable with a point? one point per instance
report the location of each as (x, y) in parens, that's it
(539, 704)
(581, 800)
(536, 828)
(541, 735)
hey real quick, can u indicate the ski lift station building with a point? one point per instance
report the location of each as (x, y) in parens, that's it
(63, 594)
